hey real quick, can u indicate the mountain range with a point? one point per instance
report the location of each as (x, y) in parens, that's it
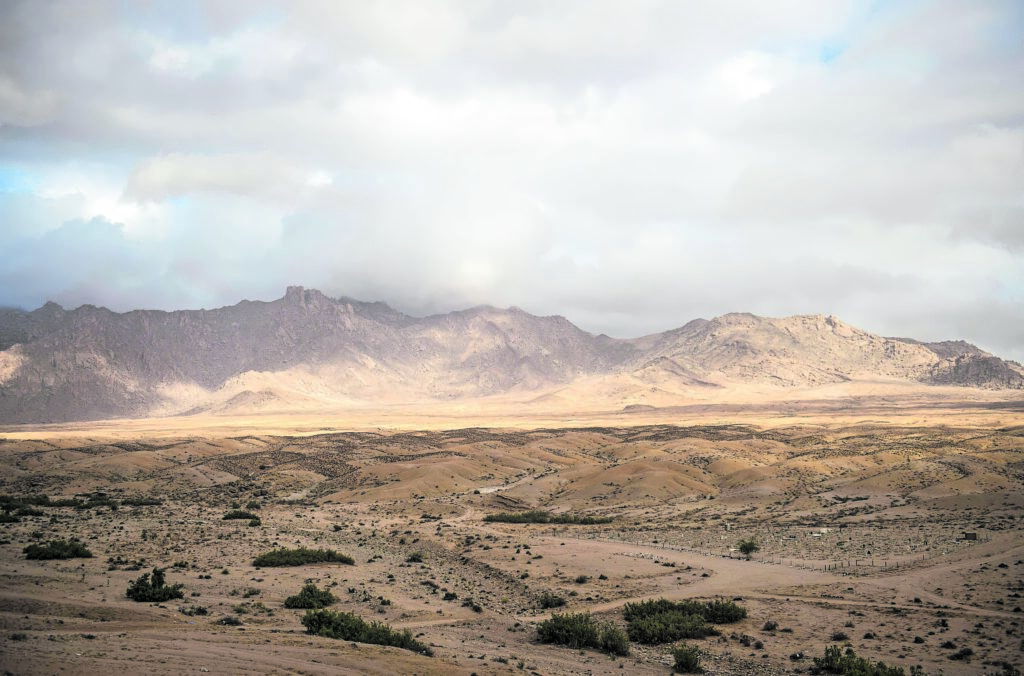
(311, 352)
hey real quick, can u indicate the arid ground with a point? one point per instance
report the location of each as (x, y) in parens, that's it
(861, 510)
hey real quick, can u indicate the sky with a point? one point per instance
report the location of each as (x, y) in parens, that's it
(629, 165)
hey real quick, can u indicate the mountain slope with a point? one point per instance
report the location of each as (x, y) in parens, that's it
(306, 350)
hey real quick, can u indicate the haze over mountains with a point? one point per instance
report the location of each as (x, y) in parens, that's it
(306, 351)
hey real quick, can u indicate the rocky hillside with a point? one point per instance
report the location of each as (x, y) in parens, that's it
(306, 349)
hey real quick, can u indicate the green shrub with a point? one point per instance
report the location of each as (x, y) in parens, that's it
(687, 660)
(663, 621)
(581, 630)
(310, 597)
(9, 518)
(836, 661)
(301, 556)
(97, 500)
(58, 549)
(723, 612)
(349, 627)
(540, 516)
(717, 612)
(240, 514)
(612, 640)
(669, 627)
(153, 589)
(415, 557)
(549, 600)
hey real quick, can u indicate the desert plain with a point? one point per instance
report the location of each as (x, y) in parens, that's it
(889, 523)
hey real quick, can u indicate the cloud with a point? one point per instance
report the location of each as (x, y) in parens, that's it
(630, 166)
(258, 176)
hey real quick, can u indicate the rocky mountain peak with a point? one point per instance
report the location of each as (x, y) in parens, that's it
(61, 365)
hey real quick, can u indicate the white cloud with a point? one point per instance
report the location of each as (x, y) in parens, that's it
(629, 165)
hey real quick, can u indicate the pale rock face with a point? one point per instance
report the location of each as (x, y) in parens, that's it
(307, 351)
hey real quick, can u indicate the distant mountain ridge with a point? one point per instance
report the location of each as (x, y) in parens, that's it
(306, 350)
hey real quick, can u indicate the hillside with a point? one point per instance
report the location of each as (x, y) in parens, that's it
(308, 351)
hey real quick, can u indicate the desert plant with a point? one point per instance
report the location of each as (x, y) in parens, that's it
(153, 588)
(687, 660)
(581, 630)
(549, 600)
(58, 549)
(748, 547)
(540, 516)
(669, 627)
(301, 556)
(415, 557)
(349, 627)
(240, 514)
(846, 663)
(717, 611)
(310, 597)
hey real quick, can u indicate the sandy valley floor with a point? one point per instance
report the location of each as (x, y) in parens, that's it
(860, 513)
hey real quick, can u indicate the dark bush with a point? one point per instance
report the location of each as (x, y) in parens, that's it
(301, 556)
(581, 630)
(349, 627)
(549, 600)
(153, 589)
(961, 654)
(836, 661)
(310, 597)
(687, 660)
(718, 612)
(540, 516)
(668, 627)
(58, 549)
(240, 514)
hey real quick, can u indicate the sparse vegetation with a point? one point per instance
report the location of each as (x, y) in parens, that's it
(240, 514)
(539, 516)
(687, 660)
(664, 621)
(153, 588)
(312, 597)
(58, 549)
(748, 547)
(349, 627)
(581, 630)
(299, 557)
(549, 600)
(836, 661)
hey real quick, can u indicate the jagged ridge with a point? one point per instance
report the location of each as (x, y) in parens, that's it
(90, 363)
